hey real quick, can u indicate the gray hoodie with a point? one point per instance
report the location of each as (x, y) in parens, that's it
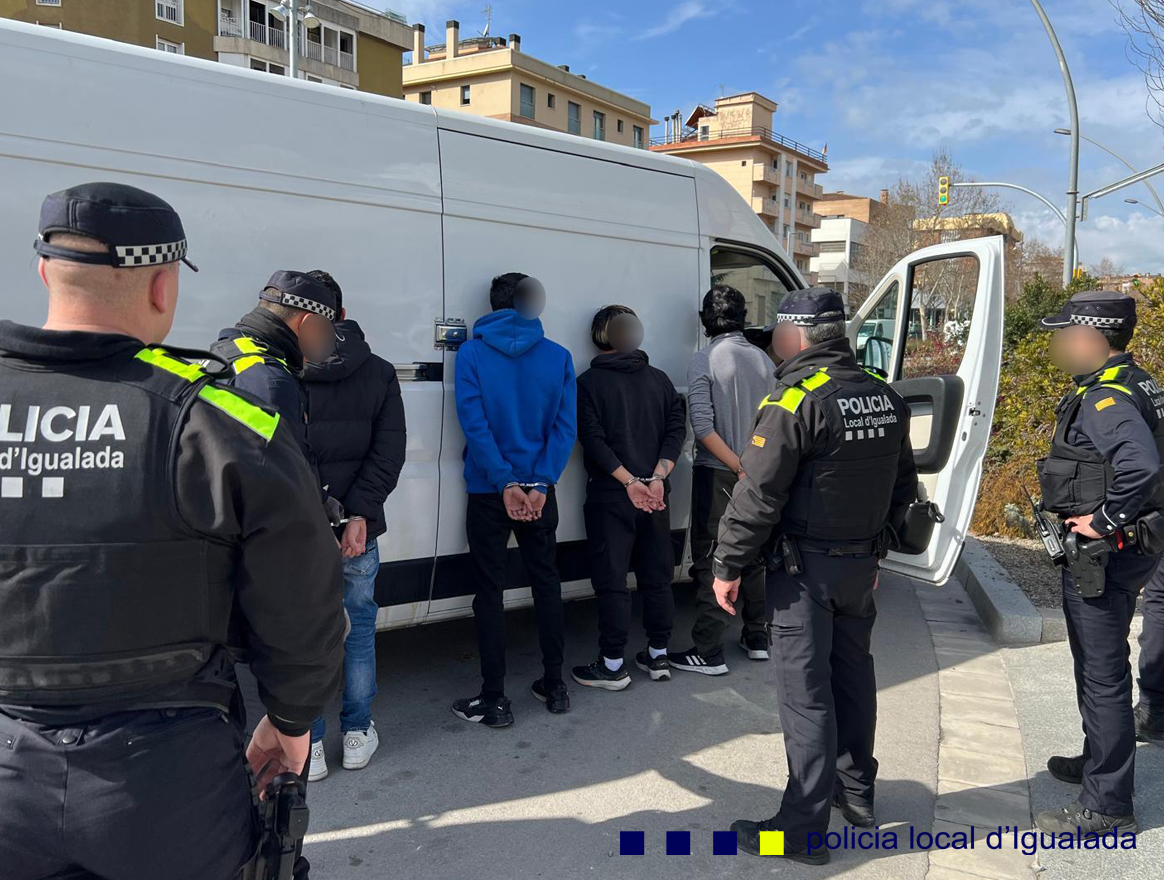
(726, 382)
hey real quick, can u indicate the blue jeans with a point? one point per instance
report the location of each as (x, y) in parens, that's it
(360, 647)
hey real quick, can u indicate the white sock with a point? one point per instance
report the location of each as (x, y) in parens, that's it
(613, 665)
(656, 653)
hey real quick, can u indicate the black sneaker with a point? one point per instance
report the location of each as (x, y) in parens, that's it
(692, 661)
(1067, 769)
(1149, 725)
(490, 711)
(748, 839)
(597, 675)
(656, 667)
(1076, 816)
(855, 814)
(556, 697)
(756, 644)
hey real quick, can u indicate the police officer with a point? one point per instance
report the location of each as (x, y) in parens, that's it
(829, 467)
(1103, 477)
(151, 518)
(1149, 710)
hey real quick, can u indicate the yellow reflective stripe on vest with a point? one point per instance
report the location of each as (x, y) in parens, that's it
(789, 400)
(815, 380)
(159, 358)
(256, 418)
(246, 363)
(246, 345)
(1097, 385)
(1110, 374)
(874, 374)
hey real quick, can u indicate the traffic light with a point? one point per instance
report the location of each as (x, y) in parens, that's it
(1135, 280)
(943, 190)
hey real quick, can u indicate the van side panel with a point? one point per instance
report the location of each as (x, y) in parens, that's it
(289, 175)
(594, 232)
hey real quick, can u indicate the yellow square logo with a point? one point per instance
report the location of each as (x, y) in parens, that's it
(771, 843)
(757, 440)
(1105, 403)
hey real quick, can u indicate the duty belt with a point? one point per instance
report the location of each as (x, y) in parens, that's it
(833, 548)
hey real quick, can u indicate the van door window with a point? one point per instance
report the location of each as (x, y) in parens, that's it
(941, 309)
(876, 333)
(754, 277)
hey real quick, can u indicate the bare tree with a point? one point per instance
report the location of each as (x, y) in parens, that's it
(1143, 21)
(1105, 268)
(1035, 257)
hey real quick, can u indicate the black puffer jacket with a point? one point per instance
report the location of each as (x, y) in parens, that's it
(357, 425)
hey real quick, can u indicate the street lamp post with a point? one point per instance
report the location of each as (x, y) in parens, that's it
(288, 11)
(1142, 205)
(1129, 165)
(1073, 170)
(1030, 192)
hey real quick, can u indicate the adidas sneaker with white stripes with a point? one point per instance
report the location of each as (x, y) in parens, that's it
(692, 661)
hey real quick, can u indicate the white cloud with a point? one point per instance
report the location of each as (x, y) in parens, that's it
(1131, 242)
(678, 16)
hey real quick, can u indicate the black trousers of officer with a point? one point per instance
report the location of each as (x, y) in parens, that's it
(711, 490)
(821, 630)
(488, 527)
(1151, 679)
(1097, 630)
(620, 537)
(133, 796)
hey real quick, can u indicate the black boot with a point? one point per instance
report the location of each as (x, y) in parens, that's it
(1067, 769)
(1149, 724)
(1076, 816)
(854, 813)
(748, 839)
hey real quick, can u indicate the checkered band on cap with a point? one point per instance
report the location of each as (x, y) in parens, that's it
(308, 305)
(803, 319)
(1096, 321)
(129, 256)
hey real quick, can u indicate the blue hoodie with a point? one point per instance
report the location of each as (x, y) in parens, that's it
(517, 403)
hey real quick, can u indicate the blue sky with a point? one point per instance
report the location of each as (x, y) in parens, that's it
(883, 83)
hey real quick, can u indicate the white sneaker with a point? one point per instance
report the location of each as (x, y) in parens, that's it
(359, 746)
(318, 769)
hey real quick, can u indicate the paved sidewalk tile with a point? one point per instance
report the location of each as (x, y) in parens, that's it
(974, 768)
(977, 663)
(1004, 863)
(989, 739)
(987, 808)
(955, 681)
(987, 710)
(974, 629)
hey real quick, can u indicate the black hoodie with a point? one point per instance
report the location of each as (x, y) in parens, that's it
(629, 413)
(357, 430)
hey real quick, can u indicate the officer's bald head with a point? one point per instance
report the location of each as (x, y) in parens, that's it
(137, 301)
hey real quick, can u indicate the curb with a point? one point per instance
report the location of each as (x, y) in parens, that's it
(1006, 612)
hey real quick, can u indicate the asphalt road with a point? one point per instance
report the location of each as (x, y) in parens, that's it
(548, 797)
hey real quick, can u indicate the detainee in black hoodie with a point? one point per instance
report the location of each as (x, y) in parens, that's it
(631, 424)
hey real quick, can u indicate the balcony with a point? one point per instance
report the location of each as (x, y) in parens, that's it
(693, 138)
(767, 174)
(765, 207)
(812, 190)
(276, 37)
(802, 246)
(808, 218)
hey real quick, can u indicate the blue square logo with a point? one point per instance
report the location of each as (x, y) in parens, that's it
(678, 843)
(631, 843)
(723, 843)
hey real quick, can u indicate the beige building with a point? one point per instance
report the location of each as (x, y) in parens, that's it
(353, 46)
(775, 174)
(844, 219)
(1133, 285)
(492, 76)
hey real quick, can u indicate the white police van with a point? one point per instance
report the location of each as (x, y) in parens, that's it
(414, 209)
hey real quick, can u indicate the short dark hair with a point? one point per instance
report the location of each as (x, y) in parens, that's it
(503, 288)
(330, 283)
(601, 323)
(279, 310)
(818, 333)
(1118, 337)
(724, 310)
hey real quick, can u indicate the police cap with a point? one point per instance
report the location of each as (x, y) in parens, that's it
(1104, 309)
(813, 305)
(137, 227)
(298, 290)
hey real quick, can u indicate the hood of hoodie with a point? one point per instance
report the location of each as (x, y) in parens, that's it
(260, 324)
(508, 332)
(21, 345)
(621, 362)
(351, 351)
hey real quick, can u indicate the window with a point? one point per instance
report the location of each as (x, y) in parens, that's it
(599, 126)
(638, 138)
(314, 79)
(941, 305)
(704, 132)
(167, 46)
(776, 164)
(277, 69)
(527, 101)
(787, 203)
(618, 126)
(550, 100)
(803, 176)
(574, 118)
(875, 335)
(48, 3)
(787, 169)
(763, 288)
(426, 97)
(169, 10)
(832, 247)
(464, 95)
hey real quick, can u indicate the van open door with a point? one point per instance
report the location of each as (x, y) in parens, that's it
(933, 325)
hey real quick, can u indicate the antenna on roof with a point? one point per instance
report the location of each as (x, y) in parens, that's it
(488, 12)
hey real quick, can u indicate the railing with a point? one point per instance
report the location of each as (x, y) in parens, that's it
(271, 35)
(765, 133)
(766, 173)
(809, 189)
(228, 26)
(167, 10)
(808, 218)
(765, 207)
(347, 61)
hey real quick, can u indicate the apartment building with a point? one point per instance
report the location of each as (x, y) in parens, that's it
(347, 44)
(776, 175)
(844, 220)
(492, 76)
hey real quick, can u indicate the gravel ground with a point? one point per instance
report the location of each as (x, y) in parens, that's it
(1026, 562)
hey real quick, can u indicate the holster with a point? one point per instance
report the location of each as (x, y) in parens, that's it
(1086, 560)
(283, 817)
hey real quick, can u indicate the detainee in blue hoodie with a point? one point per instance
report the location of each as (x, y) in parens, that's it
(516, 401)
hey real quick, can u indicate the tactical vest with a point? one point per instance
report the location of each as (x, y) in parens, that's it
(845, 494)
(248, 352)
(106, 596)
(1075, 481)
